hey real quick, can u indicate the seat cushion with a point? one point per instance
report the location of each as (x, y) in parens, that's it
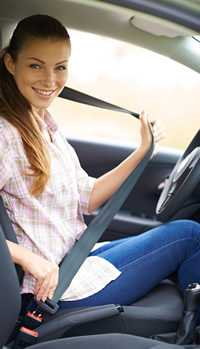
(109, 341)
(157, 312)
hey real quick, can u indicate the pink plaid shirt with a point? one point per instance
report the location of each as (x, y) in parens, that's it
(50, 224)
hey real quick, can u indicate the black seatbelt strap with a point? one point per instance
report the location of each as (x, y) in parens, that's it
(80, 97)
(73, 260)
(75, 257)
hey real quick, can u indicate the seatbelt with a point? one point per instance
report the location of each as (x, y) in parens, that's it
(80, 97)
(94, 231)
(75, 257)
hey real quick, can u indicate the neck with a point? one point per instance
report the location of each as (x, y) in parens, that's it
(39, 112)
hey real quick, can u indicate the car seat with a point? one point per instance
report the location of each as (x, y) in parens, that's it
(10, 303)
(158, 312)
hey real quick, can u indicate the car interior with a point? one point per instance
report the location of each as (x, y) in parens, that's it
(168, 28)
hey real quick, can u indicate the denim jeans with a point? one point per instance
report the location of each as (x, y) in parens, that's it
(145, 260)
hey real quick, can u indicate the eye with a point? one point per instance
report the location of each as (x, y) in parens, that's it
(61, 67)
(34, 66)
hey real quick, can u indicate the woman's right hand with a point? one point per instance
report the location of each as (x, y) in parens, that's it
(46, 274)
(145, 131)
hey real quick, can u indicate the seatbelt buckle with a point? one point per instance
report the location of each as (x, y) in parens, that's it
(49, 306)
(25, 338)
(32, 319)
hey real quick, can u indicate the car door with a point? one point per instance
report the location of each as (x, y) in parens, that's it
(101, 142)
(138, 212)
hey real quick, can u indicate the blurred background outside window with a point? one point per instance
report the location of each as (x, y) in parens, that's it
(131, 77)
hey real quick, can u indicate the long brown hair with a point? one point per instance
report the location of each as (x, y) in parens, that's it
(15, 108)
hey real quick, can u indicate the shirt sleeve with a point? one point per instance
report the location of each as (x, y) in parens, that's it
(84, 181)
(6, 157)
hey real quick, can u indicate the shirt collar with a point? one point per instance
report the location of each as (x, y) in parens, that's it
(47, 123)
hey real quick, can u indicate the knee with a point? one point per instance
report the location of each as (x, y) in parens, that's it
(185, 225)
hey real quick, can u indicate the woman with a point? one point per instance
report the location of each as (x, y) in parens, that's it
(47, 210)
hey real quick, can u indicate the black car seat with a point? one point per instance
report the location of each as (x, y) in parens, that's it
(158, 312)
(109, 341)
(10, 303)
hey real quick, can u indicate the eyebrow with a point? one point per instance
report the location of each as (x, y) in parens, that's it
(39, 60)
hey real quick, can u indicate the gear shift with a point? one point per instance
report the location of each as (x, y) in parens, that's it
(186, 331)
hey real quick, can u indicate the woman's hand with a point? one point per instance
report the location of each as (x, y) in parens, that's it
(145, 131)
(46, 273)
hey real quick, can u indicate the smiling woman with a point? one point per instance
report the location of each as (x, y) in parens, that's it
(40, 78)
(48, 222)
(33, 72)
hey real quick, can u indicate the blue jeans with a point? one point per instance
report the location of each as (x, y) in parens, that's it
(145, 260)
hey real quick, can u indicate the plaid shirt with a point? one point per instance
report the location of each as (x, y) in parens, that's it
(50, 224)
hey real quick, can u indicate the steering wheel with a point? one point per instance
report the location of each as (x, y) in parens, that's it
(181, 183)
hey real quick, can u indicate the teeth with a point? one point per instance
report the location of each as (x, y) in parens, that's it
(44, 92)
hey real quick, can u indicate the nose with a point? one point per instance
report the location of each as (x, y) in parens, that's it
(49, 78)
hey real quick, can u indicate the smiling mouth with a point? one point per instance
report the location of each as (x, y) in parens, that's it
(46, 93)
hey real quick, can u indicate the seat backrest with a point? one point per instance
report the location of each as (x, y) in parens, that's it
(10, 300)
(9, 233)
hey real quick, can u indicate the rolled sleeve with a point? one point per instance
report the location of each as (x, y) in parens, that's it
(85, 183)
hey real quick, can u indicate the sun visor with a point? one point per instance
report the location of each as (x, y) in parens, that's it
(158, 27)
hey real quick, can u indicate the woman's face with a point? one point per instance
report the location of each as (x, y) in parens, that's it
(40, 70)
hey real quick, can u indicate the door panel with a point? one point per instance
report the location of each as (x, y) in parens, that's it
(138, 212)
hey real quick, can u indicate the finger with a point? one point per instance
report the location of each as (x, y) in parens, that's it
(159, 134)
(54, 285)
(157, 131)
(157, 125)
(43, 289)
(146, 125)
(159, 138)
(144, 117)
(38, 285)
(51, 294)
(51, 290)
(49, 287)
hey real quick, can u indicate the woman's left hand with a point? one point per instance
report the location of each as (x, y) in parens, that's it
(146, 127)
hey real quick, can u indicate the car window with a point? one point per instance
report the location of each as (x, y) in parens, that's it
(134, 78)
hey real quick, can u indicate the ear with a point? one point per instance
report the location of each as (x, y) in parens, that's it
(9, 63)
